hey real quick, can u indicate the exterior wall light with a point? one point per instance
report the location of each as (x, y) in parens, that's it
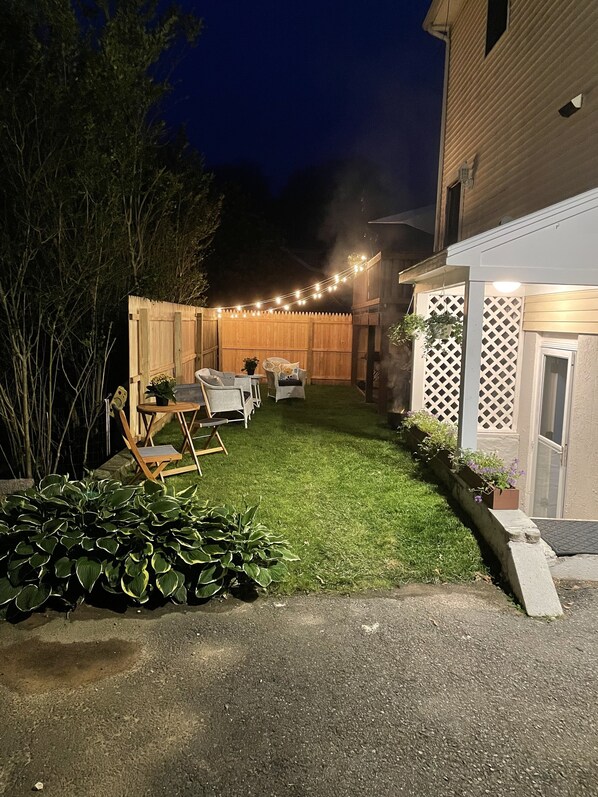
(506, 287)
(466, 175)
(572, 106)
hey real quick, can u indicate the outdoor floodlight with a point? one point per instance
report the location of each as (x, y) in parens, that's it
(572, 106)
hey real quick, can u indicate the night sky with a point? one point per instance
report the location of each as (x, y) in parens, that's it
(288, 85)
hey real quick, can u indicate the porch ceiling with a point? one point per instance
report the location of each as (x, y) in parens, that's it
(557, 245)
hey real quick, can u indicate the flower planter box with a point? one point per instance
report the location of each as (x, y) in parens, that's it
(494, 499)
(497, 498)
(414, 436)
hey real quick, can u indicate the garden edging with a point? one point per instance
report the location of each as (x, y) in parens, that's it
(515, 540)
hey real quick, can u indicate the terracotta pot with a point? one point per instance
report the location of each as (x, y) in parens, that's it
(502, 499)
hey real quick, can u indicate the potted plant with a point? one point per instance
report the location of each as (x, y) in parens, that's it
(162, 388)
(488, 476)
(434, 328)
(249, 365)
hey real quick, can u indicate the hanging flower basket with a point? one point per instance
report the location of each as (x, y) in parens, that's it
(435, 328)
(443, 332)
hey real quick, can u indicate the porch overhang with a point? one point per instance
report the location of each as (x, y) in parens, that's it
(555, 246)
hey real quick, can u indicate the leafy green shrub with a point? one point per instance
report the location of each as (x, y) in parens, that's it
(442, 436)
(65, 538)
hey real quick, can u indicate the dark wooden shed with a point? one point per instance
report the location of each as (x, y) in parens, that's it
(378, 368)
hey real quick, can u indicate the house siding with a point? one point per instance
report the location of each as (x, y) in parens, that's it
(502, 110)
(581, 487)
(574, 312)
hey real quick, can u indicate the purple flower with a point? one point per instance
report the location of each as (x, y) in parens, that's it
(477, 499)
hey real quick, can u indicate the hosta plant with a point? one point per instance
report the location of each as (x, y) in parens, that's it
(65, 539)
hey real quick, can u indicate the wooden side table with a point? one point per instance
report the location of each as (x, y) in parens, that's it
(151, 412)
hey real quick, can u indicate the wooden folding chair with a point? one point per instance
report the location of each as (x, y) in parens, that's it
(144, 456)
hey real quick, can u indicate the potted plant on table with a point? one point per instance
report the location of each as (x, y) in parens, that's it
(162, 388)
(249, 365)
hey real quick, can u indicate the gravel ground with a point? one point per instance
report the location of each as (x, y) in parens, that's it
(423, 691)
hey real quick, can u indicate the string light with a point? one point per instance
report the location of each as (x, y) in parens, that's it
(299, 298)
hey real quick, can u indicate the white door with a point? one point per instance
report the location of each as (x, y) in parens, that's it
(552, 432)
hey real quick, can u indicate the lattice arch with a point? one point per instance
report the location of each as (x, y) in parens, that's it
(500, 349)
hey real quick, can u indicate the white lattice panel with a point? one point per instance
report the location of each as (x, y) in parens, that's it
(498, 382)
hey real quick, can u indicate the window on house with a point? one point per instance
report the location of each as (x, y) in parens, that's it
(498, 18)
(453, 213)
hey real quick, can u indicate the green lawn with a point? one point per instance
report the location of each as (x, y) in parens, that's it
(333, 478)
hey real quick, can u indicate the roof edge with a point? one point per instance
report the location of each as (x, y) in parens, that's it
(441, 15)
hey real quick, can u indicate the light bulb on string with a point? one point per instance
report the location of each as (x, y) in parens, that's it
(298, 294)
(258, 305)
(278, 300)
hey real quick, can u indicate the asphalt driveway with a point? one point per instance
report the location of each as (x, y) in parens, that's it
(425, 691)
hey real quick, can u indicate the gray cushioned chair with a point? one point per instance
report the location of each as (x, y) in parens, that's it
(228, 399)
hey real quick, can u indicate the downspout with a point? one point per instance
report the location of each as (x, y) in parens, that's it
(444, 35)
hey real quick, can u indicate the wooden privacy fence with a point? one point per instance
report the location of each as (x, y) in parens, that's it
(177, 339)
(320, 342)
(165, 338)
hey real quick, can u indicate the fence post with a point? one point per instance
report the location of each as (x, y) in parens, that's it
(310, 351)
(143, 335)
(178, 346)
(199, 340)
(219, 341)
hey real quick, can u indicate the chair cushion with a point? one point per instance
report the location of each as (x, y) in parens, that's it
(288, 381)
(289, 370)
(215, 381)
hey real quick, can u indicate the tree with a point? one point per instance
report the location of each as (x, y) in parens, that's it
(92, 208)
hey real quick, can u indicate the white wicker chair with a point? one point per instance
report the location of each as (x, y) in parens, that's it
(280, 387)
(235, 398)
